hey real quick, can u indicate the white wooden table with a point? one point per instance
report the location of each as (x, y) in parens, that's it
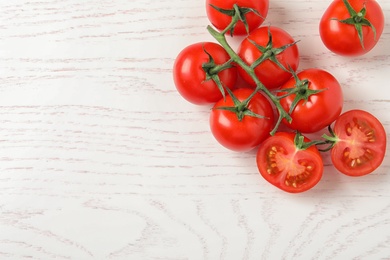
(100, 158)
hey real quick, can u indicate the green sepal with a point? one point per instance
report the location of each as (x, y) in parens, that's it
(212, 69)
(229, 12)
(358, 20)
(240, 108)
(269, 52)
(301, 91)
(239, 12)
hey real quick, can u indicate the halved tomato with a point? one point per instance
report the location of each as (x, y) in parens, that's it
(360, 143)
(287, 166)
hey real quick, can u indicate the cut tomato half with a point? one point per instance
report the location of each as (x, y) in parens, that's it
(286, 166)
(360, 143)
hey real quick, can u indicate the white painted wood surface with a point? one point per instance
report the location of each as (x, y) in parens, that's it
(100, 158)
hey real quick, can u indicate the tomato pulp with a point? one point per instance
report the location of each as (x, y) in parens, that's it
(287, 167)
(360, 143)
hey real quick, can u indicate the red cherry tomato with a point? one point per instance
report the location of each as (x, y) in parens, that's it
(286, 166)
(320, 109)
(360, 143)
(190, 77)
(342, 38)
(221, 21)
(250, 131)
(269, 72)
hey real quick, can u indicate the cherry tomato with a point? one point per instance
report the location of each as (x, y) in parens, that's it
(248, 132)
(343, 38)
(269, 72)
(360, 143)
(190, 77)
(221, 20)
(317, 111)
(288, 167)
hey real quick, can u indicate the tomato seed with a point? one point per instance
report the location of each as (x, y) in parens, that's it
(348, 129)
(353, 163)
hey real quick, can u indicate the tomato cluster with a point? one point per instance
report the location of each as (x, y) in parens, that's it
(274, 94)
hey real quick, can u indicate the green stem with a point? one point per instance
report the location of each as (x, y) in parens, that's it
(218, 68)
(234, 21)
(300, 143)
(220, 37)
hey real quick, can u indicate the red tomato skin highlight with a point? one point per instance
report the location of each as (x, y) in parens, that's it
(190, 78)
(269, 73)
(244, 135)
(221, 21)
(321, 109)
(349, 141)
(343, 39)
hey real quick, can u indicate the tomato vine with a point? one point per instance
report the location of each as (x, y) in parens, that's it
(306, 102)
(221, 38)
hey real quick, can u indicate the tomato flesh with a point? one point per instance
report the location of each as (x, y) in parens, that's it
(285, 166)
(361, 143)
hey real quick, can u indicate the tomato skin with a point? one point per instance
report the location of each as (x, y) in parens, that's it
(221, 21)
(269, 73)
(343, 38)
(361, 143)
(321, 109)
(244, 135)
(282, 164)
(190, 78)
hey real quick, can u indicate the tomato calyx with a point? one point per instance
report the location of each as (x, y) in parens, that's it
(269, 52)
(358, 20)
(212, 69)
(299, 142)
(301, 91)
(238, 14)
(240, 108)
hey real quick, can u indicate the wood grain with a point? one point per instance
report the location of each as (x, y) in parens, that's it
(100, 158)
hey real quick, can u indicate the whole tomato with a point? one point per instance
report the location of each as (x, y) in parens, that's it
(316, 100)
(277, 52)
(284, 163)
(241, 127)
(190, 76)
(342, 21)
(221, 20)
